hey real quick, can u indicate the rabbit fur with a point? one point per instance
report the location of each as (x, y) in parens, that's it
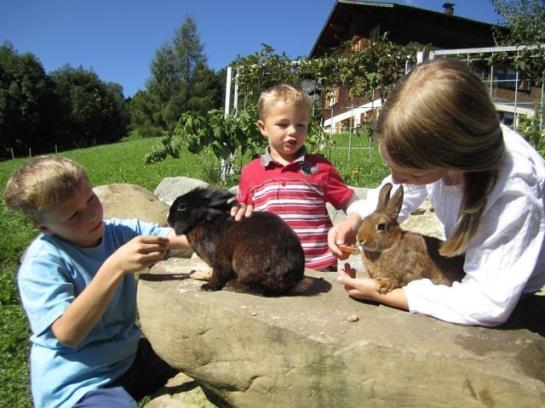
(394, 257)
(260, 254)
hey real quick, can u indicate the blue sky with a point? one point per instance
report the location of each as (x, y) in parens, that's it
(117, 39)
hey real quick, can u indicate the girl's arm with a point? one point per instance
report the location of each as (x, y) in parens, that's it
(505, 258)
(413, 197)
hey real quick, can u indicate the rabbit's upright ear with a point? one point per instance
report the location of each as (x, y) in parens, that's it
(221, 199)
(394, 205)
(384, 196)
(212, 213)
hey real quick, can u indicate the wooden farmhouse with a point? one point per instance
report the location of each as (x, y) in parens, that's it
(360, 21)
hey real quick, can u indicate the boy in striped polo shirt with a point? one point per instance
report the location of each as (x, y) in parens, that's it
(288, 181)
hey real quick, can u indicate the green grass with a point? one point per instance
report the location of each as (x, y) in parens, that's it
(118, 163)
(360, 166)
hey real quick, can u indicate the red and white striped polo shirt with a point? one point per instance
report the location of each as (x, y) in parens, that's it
(298, 193)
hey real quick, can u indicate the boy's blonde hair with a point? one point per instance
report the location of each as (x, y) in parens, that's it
(441, 117)
(285, 93)
(41, 184)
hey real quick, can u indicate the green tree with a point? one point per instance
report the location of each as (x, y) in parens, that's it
(27, 106)
(525, 20)
(142, 109)
(93, 112)
(165, 88)
(180, 82)
(207, 90)
(525, 23)
(265, 68)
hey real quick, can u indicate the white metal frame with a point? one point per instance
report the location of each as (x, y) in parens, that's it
(516, 108)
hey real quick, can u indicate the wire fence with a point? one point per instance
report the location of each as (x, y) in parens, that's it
(514, 94)
(9, 153)
(516, 98)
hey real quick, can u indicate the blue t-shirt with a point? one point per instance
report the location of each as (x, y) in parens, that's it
(53, 272)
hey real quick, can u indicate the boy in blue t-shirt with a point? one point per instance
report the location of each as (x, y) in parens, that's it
(78, 290)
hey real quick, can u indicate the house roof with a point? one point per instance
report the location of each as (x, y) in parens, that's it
(404, 24)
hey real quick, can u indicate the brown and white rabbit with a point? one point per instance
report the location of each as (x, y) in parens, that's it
(259, 254)
(394, 257)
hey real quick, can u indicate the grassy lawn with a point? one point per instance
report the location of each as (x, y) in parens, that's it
(119, 163)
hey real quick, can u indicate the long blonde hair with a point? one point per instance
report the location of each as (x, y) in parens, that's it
(441, 117)
(42, 183)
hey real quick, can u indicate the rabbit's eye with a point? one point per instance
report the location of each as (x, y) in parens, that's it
(182, 207)
(381, 227)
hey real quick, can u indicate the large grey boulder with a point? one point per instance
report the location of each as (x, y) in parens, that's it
(328, 350)
(424, 221)
(171, 187)
(131, 201)
(121, 200)
(181, 391)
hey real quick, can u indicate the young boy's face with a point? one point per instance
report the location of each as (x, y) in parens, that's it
(285, 125)
(77, 219)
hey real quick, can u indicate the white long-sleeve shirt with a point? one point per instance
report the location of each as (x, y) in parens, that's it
(505, 258)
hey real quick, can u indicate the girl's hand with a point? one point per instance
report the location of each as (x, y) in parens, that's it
(244, 211)
(363, 288)
(343, 233)
(140, 252)
(366, 289)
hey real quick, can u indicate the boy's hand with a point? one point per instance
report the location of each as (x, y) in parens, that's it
(244, 211)
(140, 252)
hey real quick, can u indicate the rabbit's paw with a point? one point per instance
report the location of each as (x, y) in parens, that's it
(385, 285)
(210, 287)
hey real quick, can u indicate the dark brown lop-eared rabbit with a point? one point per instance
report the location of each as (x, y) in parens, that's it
(260, 254)
(394, 257)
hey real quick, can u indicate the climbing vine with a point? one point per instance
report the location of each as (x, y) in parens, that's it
(374, 69)
(371, 71)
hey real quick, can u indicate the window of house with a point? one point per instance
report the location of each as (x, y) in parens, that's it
(358, 44)
(332, 97)
(506, 78)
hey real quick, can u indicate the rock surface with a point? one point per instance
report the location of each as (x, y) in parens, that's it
(171, 187)
(181, 392)
(324, 350)
(131, 201)
(327, 350)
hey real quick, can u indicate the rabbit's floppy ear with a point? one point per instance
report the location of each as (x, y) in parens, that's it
(384, 196)
(394, 205)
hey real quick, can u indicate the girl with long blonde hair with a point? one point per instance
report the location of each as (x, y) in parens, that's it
(439, 134)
